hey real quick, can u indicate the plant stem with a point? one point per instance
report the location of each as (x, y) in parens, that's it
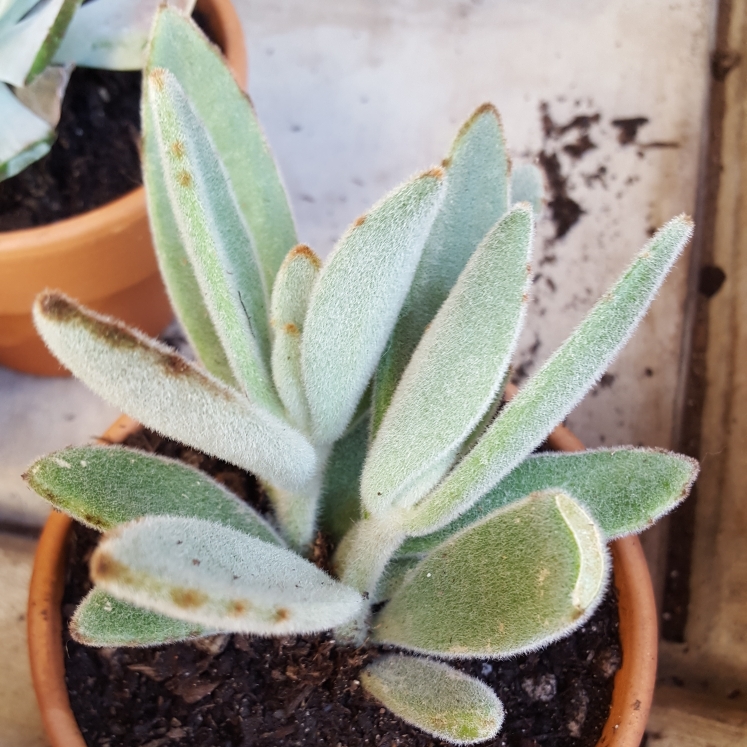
(360, 561)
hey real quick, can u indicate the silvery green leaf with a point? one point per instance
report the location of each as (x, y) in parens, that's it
(522, 577)
(289, 301)
(476, 197)
(44, 95)
(296, 511)
(202, 572)
(104, 486)
(557, 387)
(435, 697)
(173, 261)
(28, 43)
(165, 392)
(357, 297)
(625, 490)
(340, 501)
(213, 231)
(394, 574)
(456, 370)
(24, 137)
(527, 185)
(103, 620)
(112, 34)
(180, 47)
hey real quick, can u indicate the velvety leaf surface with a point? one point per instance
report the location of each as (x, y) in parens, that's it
(436, 698)
(340, 502)
(202, 572)
(357, 298)
(173, 261)
(165, 392)
(213, 231)
(456, 370)
(524, 576)
(180, 47)
(103, 486)
(103, 620)
(290, 300)
(625, 490)
(557, 387)
(476, 197)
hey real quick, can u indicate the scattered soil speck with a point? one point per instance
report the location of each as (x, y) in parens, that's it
(628, 128)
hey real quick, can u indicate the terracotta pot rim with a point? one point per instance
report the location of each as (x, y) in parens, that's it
(103, 257)
(634, 681)
(133, 202)
(36, 240)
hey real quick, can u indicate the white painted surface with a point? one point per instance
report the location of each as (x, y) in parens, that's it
(356, 96)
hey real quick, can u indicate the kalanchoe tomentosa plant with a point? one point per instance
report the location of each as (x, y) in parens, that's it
(41, 41)
(365, 394)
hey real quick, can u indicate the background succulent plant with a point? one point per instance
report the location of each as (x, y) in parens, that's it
(366, 394)
(41, 41)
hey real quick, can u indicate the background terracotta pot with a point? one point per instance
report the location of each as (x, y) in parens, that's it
(103, 258)
(634, 682)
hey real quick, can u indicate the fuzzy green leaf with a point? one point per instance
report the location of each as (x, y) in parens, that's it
(625, 490)
(289, 302)
(296, 511)
(112, 34)
(476, 197)
(28, 44)
(393, 576)
(527, 185)
(104, 486)
(522, 577)
(340, 501)
(103, 620)
(357, 298)
(553, 392)
(214, 234)
(165, 392)
(24, 137)
(202, 572)
(173, 261)
(180, 47)
(456, 370)
(435, 697)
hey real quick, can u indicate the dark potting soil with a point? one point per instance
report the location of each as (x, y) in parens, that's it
(237, 690)
(94, 159)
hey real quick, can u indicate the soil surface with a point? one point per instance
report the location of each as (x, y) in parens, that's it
(236, 690)
(94, 159)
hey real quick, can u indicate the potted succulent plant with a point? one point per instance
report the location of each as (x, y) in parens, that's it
(366, 394)
(103, 256)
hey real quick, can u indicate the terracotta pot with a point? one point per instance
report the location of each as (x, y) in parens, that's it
(103, 258)
(634, 682)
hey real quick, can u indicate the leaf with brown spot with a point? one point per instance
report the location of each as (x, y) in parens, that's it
(242, 584)
(150, 383)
